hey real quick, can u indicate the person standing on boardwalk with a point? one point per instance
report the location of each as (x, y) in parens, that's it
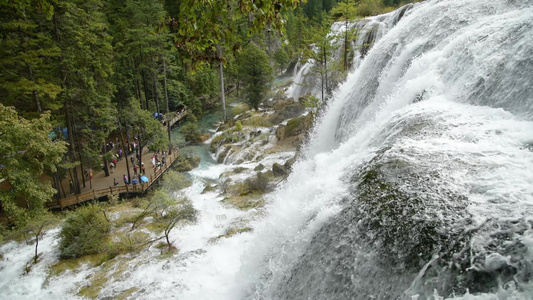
(71, 185)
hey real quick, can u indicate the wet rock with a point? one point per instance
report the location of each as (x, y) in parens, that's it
(279, 170)
(187, 163)
(280, 132)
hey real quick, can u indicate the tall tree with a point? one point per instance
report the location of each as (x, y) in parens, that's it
(257, 74)
(85, 67)
(204, 26)
(321, 56)
(26, 152)
(346, 11)
(28, 56)
(141, 124)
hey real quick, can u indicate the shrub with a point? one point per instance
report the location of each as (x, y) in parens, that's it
(174, 181)
(191, 132)
(84, 232)
(257, 121)
(238, 126)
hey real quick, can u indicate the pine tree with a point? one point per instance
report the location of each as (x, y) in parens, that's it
(28, 56)
(85, 68)
(256, 73)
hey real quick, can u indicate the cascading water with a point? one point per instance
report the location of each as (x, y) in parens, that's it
(366, 32)
(417, 183)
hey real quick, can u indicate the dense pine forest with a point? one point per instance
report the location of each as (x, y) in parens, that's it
(76, 73)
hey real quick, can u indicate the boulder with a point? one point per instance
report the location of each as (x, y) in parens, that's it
(279, 170)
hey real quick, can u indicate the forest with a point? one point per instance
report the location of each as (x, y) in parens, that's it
(77, 72)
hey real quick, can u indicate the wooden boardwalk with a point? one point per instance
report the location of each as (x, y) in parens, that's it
(176, 117)
(121, 191)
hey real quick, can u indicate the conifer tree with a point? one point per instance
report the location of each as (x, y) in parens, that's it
(85, 67)
(257, 74)
(28, 56)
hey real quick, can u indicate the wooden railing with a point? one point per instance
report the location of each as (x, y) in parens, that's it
(177, 116)
(139, 188)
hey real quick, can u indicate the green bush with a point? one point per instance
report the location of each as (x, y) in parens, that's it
(175, 181)
(191, 132)
(257, 121)
(84, 232)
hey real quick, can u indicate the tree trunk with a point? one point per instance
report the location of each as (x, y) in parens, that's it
(154, 92)
(145, 86)
(58, 186)
(221, 74)
(67, 106)
(106, 165)
(168, 106)
(326, 70)
(124, 149)
(346, 45)
(35, 94)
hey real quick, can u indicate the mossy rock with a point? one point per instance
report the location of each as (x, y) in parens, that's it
(245, 202)
(187, 163)
(296, 126)
(257, 121)
(222, 156)
(279, 170)
(239, 170)
(290, 111)
(209, 188)
(280, 132)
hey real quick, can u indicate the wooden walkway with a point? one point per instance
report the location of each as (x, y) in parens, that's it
(122, 190)
(176, 117)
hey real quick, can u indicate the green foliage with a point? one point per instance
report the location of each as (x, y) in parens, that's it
(175, 181)
(298, 32)
(26, 153)
(238, 126)
(141, 122)
(84, 232)
(321, 56)
(369, 8)
(28, 56)
(202, 25)
(85, 66)
(314, 9)
(191, 132)
(281, 58)
(257, 74)
(295, 125)
(257, 121)
(182, 212)
(309, 101)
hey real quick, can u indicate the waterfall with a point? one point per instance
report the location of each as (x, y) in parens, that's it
(418, 180)
(416, 183)
(367, 31)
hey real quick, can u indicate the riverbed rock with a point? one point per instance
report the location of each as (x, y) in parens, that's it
(279, 170)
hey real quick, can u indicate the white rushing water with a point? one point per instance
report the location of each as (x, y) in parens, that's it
(417, 183)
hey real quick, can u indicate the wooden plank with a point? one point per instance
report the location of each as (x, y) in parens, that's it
(97, 194)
